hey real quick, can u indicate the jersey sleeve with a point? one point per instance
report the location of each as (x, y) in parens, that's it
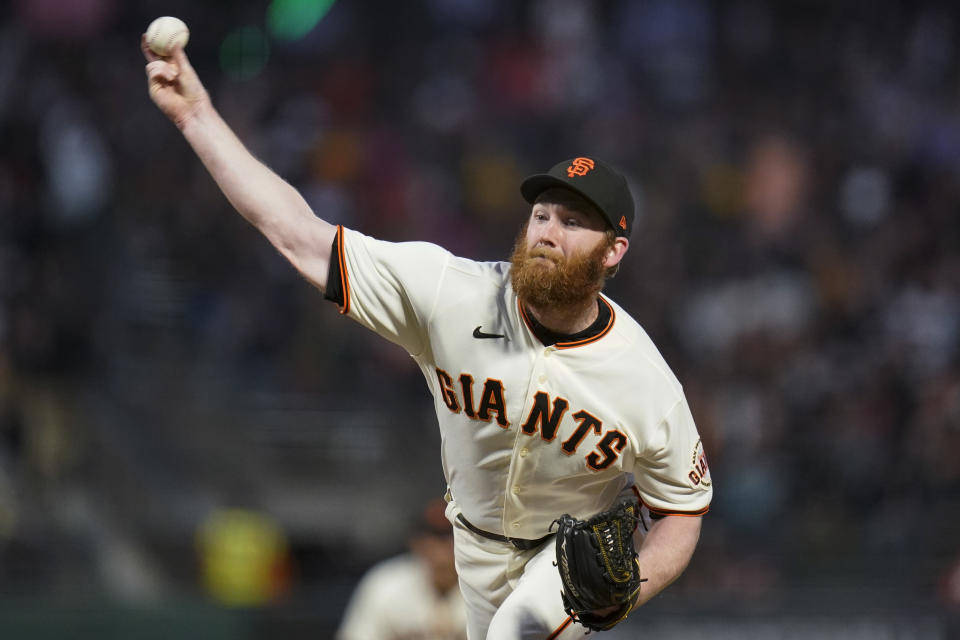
(388, 287)
(674, 477)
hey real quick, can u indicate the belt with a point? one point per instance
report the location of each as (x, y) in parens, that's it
(520, 543)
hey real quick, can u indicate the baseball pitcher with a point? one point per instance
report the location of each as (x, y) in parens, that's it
(576, 477)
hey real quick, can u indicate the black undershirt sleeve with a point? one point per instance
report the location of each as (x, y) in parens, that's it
(334, 289)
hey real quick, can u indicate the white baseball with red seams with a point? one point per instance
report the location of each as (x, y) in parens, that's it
(165, 33)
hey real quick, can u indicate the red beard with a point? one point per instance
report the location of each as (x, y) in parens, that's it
(556, 282)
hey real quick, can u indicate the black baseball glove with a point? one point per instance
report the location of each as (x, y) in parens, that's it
(598, 565)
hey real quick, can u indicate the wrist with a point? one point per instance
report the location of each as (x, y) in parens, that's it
(638, 598)
(198, 116)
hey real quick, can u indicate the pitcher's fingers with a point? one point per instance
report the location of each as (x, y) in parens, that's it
(162, 70)
(179, 57)
(147, 51)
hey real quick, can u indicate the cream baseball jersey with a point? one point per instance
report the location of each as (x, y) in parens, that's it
(528, 431)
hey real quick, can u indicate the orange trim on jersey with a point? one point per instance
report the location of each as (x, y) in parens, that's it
(664, 512)
(578, 343)
(556, 632)
(344, 278)
(603, 332)
(685, 514)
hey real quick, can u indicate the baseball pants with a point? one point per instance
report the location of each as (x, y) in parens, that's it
(510, 594)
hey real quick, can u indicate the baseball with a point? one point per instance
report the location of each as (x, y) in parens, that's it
(165, 33)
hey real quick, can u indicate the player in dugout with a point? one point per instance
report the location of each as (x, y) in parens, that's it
(563, 430)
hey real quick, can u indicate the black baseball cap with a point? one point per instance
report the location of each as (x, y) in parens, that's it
(593, 179)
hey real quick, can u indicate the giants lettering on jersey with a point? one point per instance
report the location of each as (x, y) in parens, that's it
(544, 416)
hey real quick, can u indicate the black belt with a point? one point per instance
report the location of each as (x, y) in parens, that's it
(520, 543)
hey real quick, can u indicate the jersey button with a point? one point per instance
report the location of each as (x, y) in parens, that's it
(524, 452)
(516, 491)
(516, 525)
(542, 379)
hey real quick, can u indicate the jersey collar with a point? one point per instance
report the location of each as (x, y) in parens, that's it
(600, 327)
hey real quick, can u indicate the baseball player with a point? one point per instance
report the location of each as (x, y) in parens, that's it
(550, 398)
(413, 596)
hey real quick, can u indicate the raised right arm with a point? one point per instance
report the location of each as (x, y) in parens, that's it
(262, 197)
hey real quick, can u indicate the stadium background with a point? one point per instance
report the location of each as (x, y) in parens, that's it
(795, 259)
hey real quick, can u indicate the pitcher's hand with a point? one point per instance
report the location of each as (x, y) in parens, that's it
(173, 84)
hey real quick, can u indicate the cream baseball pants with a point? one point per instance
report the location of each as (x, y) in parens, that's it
(510, 594)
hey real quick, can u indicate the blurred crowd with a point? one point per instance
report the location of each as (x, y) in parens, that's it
(795, 258)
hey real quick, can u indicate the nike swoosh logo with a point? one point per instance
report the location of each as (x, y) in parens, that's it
(480, 335)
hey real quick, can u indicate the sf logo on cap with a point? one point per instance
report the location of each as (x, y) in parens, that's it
(579, 167)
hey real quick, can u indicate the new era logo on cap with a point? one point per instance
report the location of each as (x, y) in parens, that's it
(593, 179)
